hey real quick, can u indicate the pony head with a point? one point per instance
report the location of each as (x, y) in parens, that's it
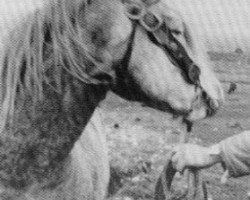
(150, 54)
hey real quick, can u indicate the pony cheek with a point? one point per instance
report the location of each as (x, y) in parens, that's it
(172, 91)
(158, 78)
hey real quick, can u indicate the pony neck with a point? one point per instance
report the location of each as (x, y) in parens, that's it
(43, 133)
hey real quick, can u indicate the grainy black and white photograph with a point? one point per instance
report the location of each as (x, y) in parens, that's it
(124, 99)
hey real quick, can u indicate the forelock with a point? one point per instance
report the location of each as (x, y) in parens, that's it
(50, 38)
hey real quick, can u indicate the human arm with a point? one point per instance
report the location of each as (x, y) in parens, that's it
(233, 153)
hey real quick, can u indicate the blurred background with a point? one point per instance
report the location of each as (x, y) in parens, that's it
(139, 137)
(223, 25)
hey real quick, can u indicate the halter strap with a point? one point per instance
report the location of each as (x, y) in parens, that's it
(175, 49)
(160, 35)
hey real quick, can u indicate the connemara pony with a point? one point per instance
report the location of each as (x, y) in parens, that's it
(59, 62)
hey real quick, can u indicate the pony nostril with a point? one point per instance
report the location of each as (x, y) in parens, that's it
(213, 104)
(204, 95)
(220, 103)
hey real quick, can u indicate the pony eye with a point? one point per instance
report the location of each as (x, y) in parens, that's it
(98, 37)
(176, 32)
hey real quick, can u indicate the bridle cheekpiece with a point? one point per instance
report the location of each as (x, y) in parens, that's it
(138, 11)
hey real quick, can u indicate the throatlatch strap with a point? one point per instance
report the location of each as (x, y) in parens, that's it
(126, 59)
(122, 70)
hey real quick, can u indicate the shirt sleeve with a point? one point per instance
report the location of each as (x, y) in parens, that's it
(235, 153)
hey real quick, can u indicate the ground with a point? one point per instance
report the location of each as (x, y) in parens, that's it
(139, 137)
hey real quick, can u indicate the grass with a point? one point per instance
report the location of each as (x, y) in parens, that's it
(139, 138)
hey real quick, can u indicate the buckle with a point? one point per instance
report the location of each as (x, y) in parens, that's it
(138, 11)
(150, 21)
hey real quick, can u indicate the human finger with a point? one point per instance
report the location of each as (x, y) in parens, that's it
(178, 162)
(177, 148)
(224, 177)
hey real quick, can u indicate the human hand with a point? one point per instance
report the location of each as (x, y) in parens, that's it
(194, 156)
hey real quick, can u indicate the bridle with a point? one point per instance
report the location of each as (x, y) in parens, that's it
(155, 27)
(158, 33)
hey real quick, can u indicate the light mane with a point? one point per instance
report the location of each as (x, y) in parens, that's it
(46, 44)
(51, 38)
